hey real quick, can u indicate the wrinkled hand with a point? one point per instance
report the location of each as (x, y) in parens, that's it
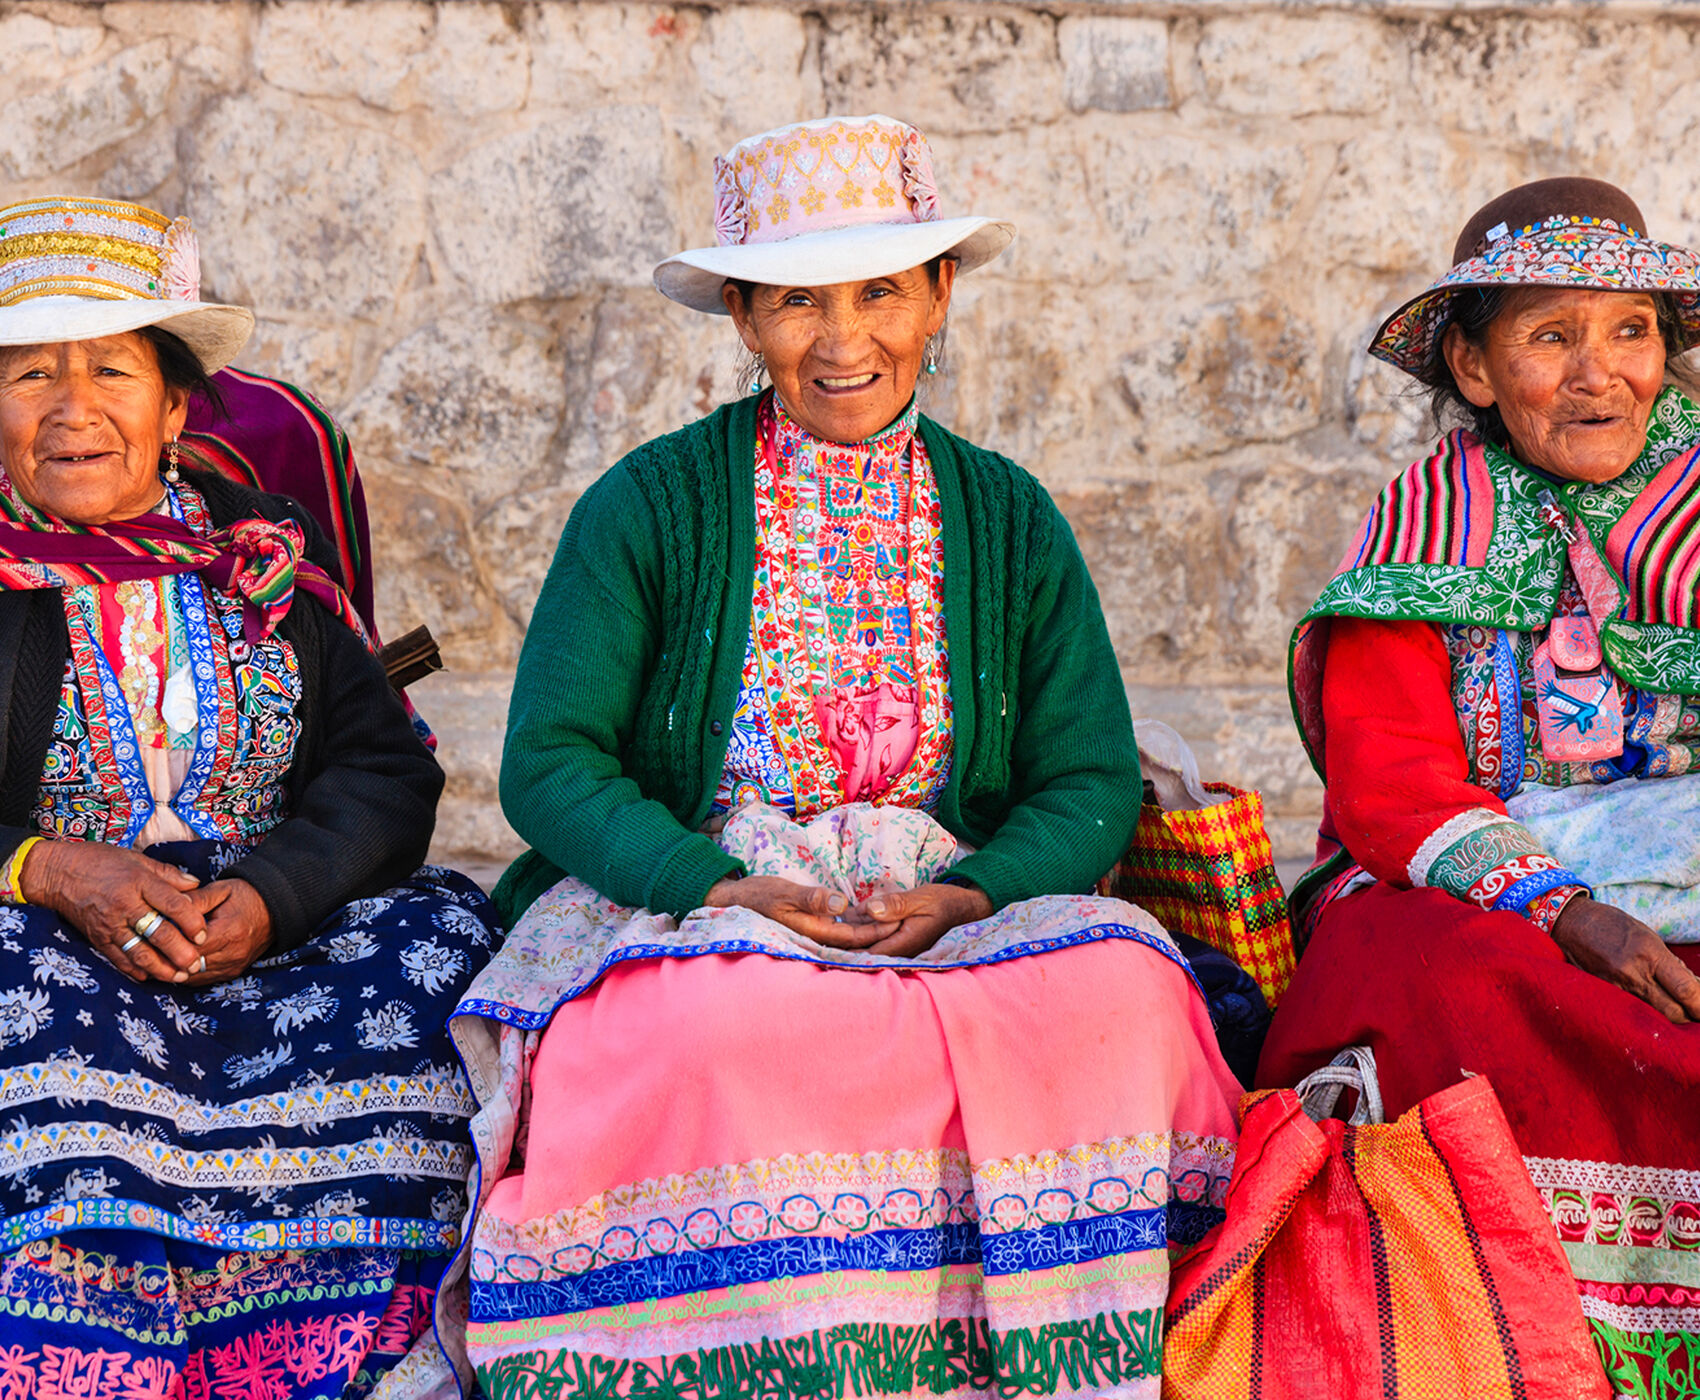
(239, 929)
(811, 910)
(1625, 952)
(102, 891)
(908, 922)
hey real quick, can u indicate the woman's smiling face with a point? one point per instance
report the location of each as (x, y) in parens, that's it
(844, 358)
(82, 425)
(1573, 374)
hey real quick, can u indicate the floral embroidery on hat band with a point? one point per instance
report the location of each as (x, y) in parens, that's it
(1581, 251)
(810, 179)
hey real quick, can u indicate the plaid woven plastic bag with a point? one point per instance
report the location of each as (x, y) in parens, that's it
(1359, 1259)
(1210, 873)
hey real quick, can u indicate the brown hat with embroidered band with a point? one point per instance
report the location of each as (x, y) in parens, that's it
(1566, 232)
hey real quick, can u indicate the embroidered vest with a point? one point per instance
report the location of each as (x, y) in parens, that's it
(93, 787)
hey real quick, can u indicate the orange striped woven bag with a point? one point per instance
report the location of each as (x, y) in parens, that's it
(1211, 874)
(1366, 1259)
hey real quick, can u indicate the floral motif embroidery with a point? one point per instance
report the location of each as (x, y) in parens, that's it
(1543, 910)
(1559, 252)
(244, 697)
(281, 1320)
(830, 167)
(1489, 860)
(845, 691)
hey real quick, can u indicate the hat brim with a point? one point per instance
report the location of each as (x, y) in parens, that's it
(214, 332)
(1580, 258)
(694, 278)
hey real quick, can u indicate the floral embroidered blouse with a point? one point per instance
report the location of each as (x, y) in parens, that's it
(170, 725)
(845, 694)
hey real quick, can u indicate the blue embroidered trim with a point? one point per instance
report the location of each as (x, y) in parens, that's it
(1518, 894)
(525, 1019)
(1510, 688)
(727, 1266)
(306, 1232)
(125, 749)
(204, 668)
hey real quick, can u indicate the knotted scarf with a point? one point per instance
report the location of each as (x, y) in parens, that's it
(257, 560)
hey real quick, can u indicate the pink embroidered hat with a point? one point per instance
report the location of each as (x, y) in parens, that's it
(1568, 232)
(835, 200)
(78, 269)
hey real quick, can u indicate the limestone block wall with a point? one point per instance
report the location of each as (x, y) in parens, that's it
(445, 215)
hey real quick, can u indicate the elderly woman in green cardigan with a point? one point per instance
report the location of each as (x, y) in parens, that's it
(811, 1053)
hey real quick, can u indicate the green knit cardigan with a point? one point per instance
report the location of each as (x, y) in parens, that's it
(622, 705)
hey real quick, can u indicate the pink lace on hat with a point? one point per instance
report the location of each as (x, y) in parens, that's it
(840, 173)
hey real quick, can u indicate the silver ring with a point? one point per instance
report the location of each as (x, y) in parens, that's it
(203, 961)
(148, 925)
(134, 940)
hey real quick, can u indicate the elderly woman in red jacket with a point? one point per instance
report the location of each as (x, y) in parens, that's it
(1500, 690)
(819, 1059)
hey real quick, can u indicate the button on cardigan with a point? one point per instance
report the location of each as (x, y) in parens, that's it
(631, 666)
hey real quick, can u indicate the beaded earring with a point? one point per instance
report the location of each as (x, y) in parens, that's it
(758, 369)
(932, 357)
(171, 473)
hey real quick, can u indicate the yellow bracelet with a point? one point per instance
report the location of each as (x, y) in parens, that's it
(11, 884)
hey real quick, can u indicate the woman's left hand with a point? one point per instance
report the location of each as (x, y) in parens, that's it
(910, 921)
(239, 929)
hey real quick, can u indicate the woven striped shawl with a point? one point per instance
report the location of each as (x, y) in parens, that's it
(257, 560)
(1470, 535)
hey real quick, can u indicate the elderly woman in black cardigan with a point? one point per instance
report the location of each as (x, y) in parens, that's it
(235, 1128)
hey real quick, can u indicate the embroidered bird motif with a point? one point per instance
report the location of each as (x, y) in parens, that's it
(1571, 711)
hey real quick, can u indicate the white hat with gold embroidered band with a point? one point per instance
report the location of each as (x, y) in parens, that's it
(841, 199)
(79, 269)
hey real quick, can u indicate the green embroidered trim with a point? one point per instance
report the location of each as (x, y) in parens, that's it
(277, 1297)
(1517, 588)
(93, 1318)
(1649, 1365)
(1459, 867)
(858, 1359)
(1654, 655)
(1620, 1263)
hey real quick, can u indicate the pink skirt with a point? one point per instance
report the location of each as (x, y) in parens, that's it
(761, 1173)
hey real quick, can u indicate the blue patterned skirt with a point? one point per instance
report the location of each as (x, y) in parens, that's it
(268, 1173)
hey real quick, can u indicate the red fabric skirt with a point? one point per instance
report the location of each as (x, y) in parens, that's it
(1602, 1092)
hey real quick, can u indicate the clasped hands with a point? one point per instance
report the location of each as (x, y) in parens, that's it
(892, 923)
(204, 934)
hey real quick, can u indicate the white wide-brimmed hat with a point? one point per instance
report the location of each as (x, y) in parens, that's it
(78, 269)
(841, 199)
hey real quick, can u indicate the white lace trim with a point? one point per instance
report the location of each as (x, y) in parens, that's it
(235, 1168)
(439, 1093)
(1563, 1173)
(1449, 832)
(1632, 1317)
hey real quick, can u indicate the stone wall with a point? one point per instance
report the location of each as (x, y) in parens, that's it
(446, 215)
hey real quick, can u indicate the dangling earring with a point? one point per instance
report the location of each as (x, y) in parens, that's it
(171, 473)
(758, 369)
(932, 357)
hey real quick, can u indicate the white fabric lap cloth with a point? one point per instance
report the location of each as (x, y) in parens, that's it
(718, 1158)
(1633, 841)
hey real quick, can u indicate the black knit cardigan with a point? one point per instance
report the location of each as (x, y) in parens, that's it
(362, 789)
